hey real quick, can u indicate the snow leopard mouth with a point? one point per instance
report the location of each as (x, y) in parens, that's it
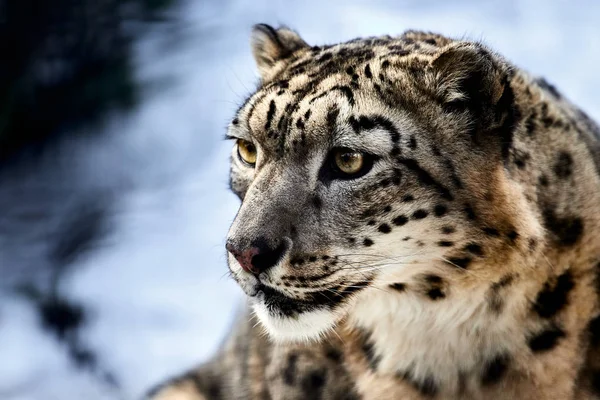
(279, 304)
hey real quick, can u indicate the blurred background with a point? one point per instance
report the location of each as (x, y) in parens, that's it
(113, 172)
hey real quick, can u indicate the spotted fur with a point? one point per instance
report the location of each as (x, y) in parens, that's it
(462, 262)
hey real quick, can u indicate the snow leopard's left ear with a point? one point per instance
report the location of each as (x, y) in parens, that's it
(271, 47)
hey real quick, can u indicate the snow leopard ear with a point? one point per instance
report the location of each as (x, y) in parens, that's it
(469, 77)
(271, 47)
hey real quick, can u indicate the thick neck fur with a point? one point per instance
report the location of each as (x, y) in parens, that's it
(445, 341)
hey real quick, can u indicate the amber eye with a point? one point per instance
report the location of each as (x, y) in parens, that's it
(246, 151)
(348, 161)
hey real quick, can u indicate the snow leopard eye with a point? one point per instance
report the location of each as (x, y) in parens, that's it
(349, 164)
(246, 152)
(348, 161)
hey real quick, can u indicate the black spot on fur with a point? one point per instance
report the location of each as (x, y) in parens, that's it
(400, 220)
(495, 300)
(447, 230)
(435, 294)
(385, 182)
(554, 298)
(445, 243)
(567, 230)
(412, 142)
(532, 243)
(312, 258)
(398, 286)
(407, 198)
(433, 279)
(384, 228)
(520, 158)
(594, 330)
(290, 372)
(366, 123)
(368, 73)
(334, 355)
(368, 348)
(316, 201)
(313, 383)
(491, 231)
(367, 242)
(434, 287)
(235, 121)
(427, 386)
(470, 213)
(370, 212)
(420, 214)
(474, 249)
(332, 119)
(563, 167)
(530, 124)
(495, 369)
(440, 210)
(461, 262)
(546, 340)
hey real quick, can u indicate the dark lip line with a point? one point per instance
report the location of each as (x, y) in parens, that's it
(278, 302)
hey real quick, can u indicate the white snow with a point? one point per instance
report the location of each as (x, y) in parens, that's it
(157, 287)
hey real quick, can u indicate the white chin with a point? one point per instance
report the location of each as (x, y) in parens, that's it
(306, 327)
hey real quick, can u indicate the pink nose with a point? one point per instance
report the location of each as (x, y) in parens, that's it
(244, 257)
(258, 256)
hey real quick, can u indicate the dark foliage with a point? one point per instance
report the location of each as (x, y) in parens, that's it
(65, 65)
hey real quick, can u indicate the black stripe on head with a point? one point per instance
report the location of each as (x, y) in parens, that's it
(364, 123)
(425, 177)
(346, 91)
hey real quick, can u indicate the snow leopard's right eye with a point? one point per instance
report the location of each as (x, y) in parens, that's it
(346, 164)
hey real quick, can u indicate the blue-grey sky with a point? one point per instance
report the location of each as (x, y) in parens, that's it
(161, 301)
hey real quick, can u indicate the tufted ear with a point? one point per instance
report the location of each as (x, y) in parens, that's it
(470, 77)
(269, 46)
